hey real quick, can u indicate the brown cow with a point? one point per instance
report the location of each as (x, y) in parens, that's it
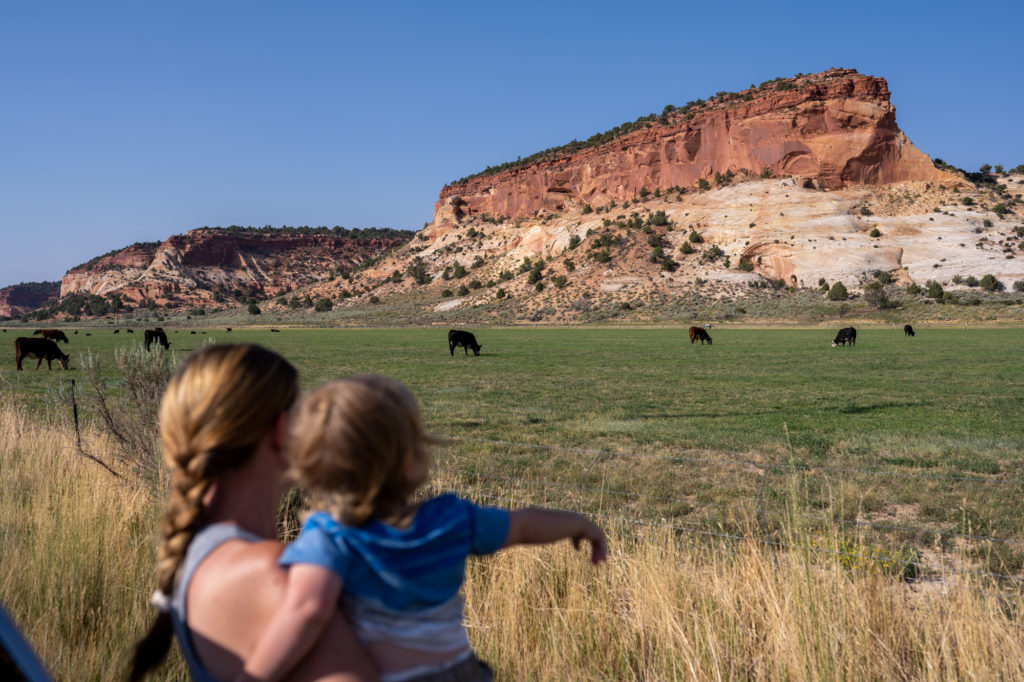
(699, 333)
(52, 334)
(44, 349)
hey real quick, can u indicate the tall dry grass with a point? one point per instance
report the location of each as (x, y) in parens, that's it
(77, 548)
(76, 551)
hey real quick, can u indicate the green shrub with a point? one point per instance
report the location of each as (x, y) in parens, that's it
(659, 218)
(970, 280)
(933, 290)
(874, 295)
(874, 232)
(864, 210)
(838, 292)
(463, 290)
(694, 237)
(196, 312)
(588, 209)
(1018, 285)
(396, 276)
(883, 276)
(703, 184)
(686, 248)
(1000, 210)
(500, 293)
(967, 201)
(458, 270)
(447, 293)
(253, 309)
(990, 283)
(654, 239)
(559, 281)
(601, 256)
(913, 290)
(746, 265)
(323, 305)
(475, 284)
(569, 265)
(505, 276)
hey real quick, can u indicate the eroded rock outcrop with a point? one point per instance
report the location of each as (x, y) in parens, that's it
(20, 298)
(834, 129)
(211, 265)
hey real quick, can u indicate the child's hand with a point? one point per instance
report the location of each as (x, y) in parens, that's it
(598, 544)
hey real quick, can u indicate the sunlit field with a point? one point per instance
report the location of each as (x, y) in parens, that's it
(778, 507)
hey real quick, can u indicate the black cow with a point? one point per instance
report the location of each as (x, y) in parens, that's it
(228, 328)
(908, 330)
(130, 331)
(457, 337)
(845, 334)
(157, 336)
(698, 333)
(117, 331)
(44, 349)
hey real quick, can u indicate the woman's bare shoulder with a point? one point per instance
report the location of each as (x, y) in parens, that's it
(231, 598)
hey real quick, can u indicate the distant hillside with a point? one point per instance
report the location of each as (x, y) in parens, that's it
(20, 298)
(221, 266)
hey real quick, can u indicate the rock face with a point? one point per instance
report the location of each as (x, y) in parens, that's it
(20, 298)
(211, 265)
(833, 129)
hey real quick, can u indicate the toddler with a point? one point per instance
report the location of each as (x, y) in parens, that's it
(359, 449)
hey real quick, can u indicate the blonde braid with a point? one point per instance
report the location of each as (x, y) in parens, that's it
(184, 516)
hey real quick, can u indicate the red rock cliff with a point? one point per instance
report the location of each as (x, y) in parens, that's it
(837, 127)
(20, 298)
(207, 265)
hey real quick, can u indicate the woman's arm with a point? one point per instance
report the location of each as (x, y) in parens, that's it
(535, 525)
(310, 600)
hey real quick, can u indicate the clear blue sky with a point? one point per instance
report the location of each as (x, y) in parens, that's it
(133, 121)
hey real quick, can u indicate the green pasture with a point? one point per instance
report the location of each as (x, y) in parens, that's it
(639, 423)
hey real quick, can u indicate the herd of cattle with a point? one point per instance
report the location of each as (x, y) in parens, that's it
(46, 348)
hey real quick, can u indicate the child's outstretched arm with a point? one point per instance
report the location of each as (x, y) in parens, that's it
(535, 525)
(309, 602)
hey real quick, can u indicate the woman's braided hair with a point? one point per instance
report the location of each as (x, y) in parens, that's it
(217, 408)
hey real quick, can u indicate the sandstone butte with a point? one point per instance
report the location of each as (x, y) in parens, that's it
(190, 267)
(837, 127)
(19, 298)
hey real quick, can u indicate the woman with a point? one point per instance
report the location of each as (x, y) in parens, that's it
(222, 423)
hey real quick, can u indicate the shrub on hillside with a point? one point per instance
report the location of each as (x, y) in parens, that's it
(838, 292)
(990, 283)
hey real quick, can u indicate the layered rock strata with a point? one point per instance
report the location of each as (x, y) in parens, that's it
(834, 129)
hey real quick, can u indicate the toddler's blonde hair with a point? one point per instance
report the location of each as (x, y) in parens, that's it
(348, 442)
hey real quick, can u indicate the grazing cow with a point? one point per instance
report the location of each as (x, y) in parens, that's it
(117, 331)
(228, 328)
(130, 331)
(44, 349)
(845, 334)
(37, 332)
(274, 330)
(158, 337)
(54, 335)
(908, 330)
(457, 337)
(75, 332)
(697, 333)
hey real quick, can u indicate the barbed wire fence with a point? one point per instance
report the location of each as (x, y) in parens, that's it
(572, 495)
